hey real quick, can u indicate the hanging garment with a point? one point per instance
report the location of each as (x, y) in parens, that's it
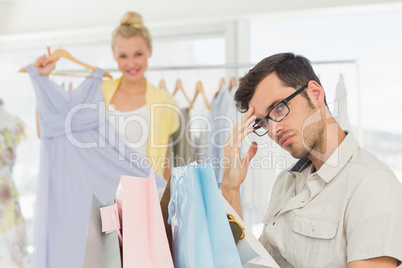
(222, 116)
(198, 127)
(341, 105)
(181, 150)
(13, 252)
(80, 156)
(6, 119)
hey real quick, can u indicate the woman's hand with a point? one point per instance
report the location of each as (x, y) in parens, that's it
(44, 65)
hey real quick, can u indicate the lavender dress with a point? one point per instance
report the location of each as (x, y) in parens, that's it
(80, 156)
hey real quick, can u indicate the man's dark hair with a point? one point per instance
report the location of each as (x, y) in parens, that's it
(293, 70)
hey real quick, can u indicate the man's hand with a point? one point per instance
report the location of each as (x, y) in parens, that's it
(235, 167)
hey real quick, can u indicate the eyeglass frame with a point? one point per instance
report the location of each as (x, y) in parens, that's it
(267, 117)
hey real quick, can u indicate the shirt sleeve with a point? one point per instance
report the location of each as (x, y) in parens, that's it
(374, 216)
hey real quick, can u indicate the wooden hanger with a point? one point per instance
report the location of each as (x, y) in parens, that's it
(200, 89)
(162, 85)
(222, 82)
(233, 83)
(178, 87)
(61, 53)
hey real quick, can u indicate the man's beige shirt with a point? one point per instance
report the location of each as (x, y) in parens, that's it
(352, 210)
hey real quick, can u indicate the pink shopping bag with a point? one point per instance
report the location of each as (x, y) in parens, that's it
(145, 243)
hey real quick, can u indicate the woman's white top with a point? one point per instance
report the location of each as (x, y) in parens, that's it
(132, 126)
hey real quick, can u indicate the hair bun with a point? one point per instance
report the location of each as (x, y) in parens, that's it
(132, 19)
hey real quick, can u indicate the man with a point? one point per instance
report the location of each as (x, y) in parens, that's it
(338, 206)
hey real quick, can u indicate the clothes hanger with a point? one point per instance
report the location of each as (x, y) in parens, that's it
(233, 83)
(200, 89)
(61, 53)
(162, 85)
(178, 87)
(222, 82)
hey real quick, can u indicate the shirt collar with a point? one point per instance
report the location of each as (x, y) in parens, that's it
(335, 162)
(301, 165)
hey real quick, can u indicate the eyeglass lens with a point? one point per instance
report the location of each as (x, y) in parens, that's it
(278, 113)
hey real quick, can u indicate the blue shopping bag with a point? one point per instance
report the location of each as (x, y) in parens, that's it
(201, 233)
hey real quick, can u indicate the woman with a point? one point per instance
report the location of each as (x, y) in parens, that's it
(144, 115)
(132, 95)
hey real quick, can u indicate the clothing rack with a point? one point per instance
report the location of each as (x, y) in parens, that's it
(228, 66)
(214, 66)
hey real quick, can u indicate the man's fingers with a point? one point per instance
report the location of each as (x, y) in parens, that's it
(244, 134)
(247, 115)
(239, 130)
(251, 153)
(250, 121)
(245, 121)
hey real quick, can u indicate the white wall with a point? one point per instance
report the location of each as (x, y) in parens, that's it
(26, 16)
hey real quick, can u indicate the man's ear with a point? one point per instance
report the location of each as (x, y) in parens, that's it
(316, 93)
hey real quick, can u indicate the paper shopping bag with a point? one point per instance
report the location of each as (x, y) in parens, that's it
(102, 250)
(144, 238)
(251, 251)
(200, 228)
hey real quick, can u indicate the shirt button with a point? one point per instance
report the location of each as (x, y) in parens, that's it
(294, 194)
(273, 223)
(313, 229)
(303, 201)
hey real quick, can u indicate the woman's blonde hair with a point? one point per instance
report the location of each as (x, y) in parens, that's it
(131, 25)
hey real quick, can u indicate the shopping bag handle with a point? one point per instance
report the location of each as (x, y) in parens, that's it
(232, 219)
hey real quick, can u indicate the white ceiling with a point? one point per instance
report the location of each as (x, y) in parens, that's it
(25, 16)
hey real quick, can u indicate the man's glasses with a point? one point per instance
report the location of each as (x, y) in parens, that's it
(277, 114)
